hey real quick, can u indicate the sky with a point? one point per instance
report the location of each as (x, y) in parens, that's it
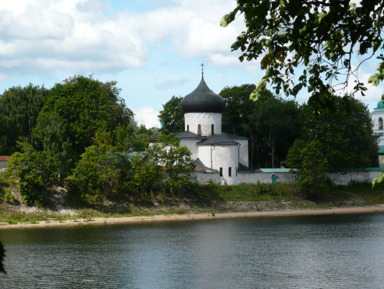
(153, 49)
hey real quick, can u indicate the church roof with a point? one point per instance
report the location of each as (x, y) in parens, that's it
(380, 104)
(188, 134)
(203, 99)
(217, 140)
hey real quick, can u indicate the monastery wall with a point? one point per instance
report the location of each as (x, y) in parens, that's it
(344, 178)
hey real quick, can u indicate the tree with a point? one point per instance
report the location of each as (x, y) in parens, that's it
(172, 116)
(19, 108)
(318, 39)
(37, 171)
(344, 134)
(271, 124)
(73, 113)
(175, 161)
(310, 164)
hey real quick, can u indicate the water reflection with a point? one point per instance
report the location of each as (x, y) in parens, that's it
(287, 252)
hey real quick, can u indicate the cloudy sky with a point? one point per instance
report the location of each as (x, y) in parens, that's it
(152, 48)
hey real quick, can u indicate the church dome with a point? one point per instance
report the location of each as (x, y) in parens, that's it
(380, 104)
(203, 99)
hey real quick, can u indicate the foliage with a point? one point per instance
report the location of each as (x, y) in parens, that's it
(175, 161)
(142, 133)
(344, 133)
(172, 116)
(37, 171)
(97, 173)
(73, 113)
(19, 108)
(315, 38)
(310, 165)
(272, 124)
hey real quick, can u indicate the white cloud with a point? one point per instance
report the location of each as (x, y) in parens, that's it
(147, 116)
(46, 35)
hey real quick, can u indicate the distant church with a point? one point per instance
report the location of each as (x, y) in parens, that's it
(378, 128)
(213, 151)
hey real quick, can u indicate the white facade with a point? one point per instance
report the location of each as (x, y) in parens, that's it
(378, 129)
(203, 123)
(216, 154)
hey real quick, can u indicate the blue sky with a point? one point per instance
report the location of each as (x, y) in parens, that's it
(152, 48)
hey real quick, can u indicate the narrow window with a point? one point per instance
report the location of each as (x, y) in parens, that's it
(212, 129)
(380, 123)
(221, 172)
(199, 129)
(230, 172)
(187, 127)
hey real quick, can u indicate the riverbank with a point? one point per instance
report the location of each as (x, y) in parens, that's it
(193, 217)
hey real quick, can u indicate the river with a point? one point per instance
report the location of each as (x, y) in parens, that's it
(335, 251)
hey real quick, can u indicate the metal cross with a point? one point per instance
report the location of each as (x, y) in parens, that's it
(202, 69)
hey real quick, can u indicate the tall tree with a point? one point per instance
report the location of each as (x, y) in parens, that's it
(271, 124)
(172, 116)
(343, 133)
(19, 108)
(317, 39)
(74, 112)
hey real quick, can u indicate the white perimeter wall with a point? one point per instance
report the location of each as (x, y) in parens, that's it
(205, 119)
(284, 177)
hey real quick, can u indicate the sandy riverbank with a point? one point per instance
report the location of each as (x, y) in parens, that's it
(192, 217)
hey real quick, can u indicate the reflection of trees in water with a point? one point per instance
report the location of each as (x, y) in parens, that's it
(2, 255)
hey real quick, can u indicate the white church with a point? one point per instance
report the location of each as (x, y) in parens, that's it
(378, 128)
(223, 158)
(213, 151)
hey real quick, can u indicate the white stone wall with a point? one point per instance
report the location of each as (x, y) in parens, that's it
(191, 145)
(286, 177)
(243, 151)
(205, 119)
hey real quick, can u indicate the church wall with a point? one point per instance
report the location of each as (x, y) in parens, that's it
(192, 120)
(243, 157)
(191, 145)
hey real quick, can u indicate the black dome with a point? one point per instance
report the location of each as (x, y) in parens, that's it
(203, 99)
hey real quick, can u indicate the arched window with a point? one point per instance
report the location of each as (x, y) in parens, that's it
(380, 123)
(230, 172)
(221, 172)
(187, 127)
(199, 129)
(212, 129)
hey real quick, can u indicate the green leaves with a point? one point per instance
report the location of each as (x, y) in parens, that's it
(320, 35)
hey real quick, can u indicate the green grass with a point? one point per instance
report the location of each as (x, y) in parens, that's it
(210, 197)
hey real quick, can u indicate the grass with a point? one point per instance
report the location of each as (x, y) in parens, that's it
(263, 196)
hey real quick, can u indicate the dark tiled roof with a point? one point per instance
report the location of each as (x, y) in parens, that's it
(188, 134)
(217, 140)
(203, 99)
(244, 169)
(200, 167)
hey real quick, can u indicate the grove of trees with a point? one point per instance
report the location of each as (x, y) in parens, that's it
(81, 135)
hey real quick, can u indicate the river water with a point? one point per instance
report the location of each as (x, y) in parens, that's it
(336, 251)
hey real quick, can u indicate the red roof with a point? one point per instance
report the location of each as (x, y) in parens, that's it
(5, 158)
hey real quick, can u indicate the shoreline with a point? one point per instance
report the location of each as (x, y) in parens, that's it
(195, 217)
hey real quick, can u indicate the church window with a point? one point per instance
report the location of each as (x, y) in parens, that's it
(199, 129)
(187, 127)
(212, 129)
(221, 172)
(230, 172)
(380, 123)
